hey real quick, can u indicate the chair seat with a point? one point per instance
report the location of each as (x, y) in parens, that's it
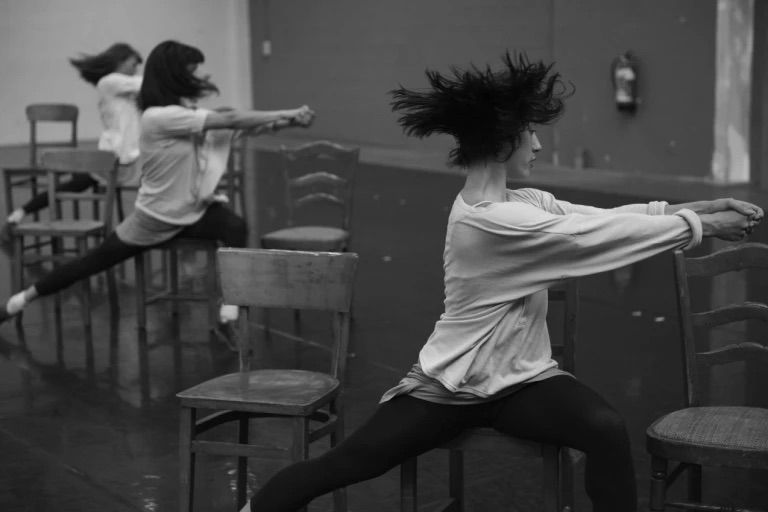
(725, 436)
(189, 243)
(69, 227)
(306, 238)
(285, 392)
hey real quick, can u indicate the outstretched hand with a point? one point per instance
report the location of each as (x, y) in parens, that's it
(750, 210)
(727, 225)
(746, 215)
(303, 116)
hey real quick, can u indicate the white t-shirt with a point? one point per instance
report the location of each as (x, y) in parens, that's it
(499, 260)
(181, 165)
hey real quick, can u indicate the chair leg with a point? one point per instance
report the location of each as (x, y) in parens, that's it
(300, 448)
(339, 495)
(57, 316)
(173, 270)
(141, 327)
(456, 480)
(658, 483)
(566, 494)
(112, 294)
(551, 487)
(242, 463)
(85, 312)
(17, 282)
(694, 483)
(212, 291)
(120, 217)
(186, 459)
(114, 349)
(408, 485)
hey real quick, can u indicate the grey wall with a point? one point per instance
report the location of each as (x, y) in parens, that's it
(342, 56)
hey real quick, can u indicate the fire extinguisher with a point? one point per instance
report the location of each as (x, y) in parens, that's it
(624, 75)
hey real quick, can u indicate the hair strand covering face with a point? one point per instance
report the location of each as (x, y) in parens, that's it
(485, 111)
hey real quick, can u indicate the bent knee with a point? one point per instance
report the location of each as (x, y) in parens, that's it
(607, 430)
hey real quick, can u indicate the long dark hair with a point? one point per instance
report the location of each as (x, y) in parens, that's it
(94, 67)
(484, 110)
(167, 77)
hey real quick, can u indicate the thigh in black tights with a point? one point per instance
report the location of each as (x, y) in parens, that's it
(111, 252)
(218, 223)
(78, 183)
(562, 410)
(559, 410)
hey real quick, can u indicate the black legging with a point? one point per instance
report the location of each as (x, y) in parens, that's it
(556, 410)
(78, 183)
(217, 223)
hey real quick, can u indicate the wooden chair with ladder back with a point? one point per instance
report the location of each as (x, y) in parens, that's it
(715, 336)
(30, 179)
(61, 228)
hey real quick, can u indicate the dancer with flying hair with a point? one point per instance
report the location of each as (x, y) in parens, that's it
(488, 361)
(113, 73)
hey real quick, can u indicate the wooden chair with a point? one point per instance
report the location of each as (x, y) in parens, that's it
(316, 172)
(700, 435)
(310, 402)
(558, 460)
(59, 229)
(50, 113)
(31, 178)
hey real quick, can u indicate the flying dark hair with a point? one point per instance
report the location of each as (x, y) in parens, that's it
(94, 67)
(167, 77)
(484, 110)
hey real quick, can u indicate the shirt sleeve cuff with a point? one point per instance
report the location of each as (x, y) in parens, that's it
(657, 207)
(694, 222)
(200, 115)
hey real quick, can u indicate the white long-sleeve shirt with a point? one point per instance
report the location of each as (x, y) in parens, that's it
(499, 260)
(120, 119)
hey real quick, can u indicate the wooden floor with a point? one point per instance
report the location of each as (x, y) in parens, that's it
(73, 441)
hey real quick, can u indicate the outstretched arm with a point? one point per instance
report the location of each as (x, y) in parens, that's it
(258, 119)
(722, 210)
(719, 205)
(725, 218)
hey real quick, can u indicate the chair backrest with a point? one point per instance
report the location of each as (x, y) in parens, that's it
(53, 113)
(266, 278)
(319, 171)
(698, 361)
(564, 303)
(102, 165)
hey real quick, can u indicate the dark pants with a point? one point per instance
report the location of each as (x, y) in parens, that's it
(217, 223)
(556, 410)
(78, 183)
